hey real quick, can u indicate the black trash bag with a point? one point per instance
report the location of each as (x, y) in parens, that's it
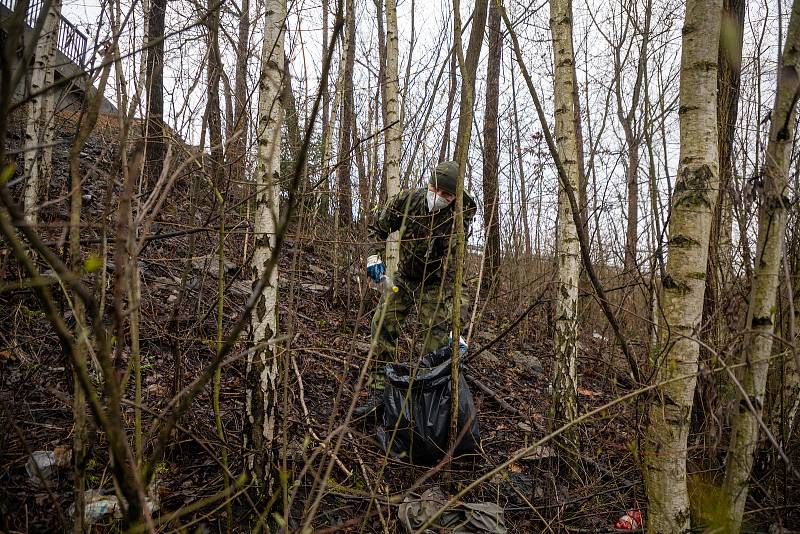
(421, 417)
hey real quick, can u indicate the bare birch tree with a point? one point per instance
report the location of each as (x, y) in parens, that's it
(392, 125)
(665, 437)
(262, 362)
(565, 366)
(38, 116)
(761, 313)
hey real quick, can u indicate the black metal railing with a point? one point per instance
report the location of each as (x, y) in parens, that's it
(34, 7)
(71, 41)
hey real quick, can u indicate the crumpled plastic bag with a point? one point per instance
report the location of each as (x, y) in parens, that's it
(418, 406)
(48, 463)
(463, 518)
(102, 509)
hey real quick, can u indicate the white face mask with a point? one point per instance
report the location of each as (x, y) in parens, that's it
(435, 202)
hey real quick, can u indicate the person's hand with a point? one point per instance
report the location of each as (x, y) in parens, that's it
(375, 268)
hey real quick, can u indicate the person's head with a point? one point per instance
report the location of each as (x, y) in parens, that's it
(442, 185)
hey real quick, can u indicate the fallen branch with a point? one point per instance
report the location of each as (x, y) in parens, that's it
(489, 391)
(307, 420)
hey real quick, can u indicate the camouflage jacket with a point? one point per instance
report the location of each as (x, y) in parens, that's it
(426, 239)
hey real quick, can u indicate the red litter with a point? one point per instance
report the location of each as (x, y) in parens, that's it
(632, 520)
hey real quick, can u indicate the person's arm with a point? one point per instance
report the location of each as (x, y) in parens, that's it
(387, 220)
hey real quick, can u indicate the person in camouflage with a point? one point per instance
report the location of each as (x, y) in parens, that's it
(424, 279)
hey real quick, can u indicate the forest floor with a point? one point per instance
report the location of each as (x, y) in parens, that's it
(325, 310)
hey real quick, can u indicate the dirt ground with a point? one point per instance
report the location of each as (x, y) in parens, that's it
(325, 312)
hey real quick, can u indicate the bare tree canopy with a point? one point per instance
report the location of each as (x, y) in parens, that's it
(380, 266)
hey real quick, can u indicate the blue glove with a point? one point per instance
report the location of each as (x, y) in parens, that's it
(462, 345)
(375, 268)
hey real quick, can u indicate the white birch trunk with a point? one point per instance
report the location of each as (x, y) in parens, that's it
(37, 162)
(565, 373)
(262, 364)
(693, 201)
(394, 129)
(761, 316)
(48, 115)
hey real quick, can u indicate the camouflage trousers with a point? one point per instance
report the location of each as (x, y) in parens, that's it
(433, 303)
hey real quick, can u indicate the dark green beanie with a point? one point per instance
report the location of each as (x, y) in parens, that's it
(445, 176)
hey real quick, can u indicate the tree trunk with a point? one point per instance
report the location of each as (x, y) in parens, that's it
(227, 94)
(392, 125)
(720, 252)
(237, 151)
(262, 364)
(404, 92)
(468, 66)
(343, 179)
(213, 113)
(292, 119)
(791, 389)
(363, 178)
(633, 138)
(664, 440)
(79, 440)
(513, 247)
(43, 65)
(375, 174)
(657, 256)
(444, 152)
(565, 373)
(656, 262)
(49, 127)
(154, 74)
(583, 198)
(632, 180)
(761, 314)
(491, 187)
(728, 82)
(379, 10)
(523, 188)
(792, 377)
(322, 206)
(719, 270)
